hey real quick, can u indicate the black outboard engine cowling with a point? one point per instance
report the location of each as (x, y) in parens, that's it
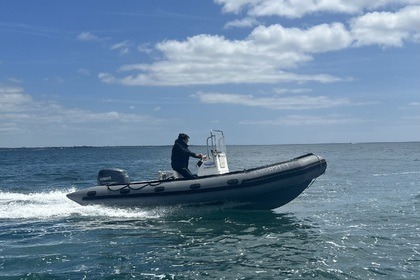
(113, 176)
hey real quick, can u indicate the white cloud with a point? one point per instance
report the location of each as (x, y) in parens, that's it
(303, 120)
(14, 80)
(12, 99)
(20, 112)
(270, 53)
(122, 47)
(387, 29)
(160, 75)
(320, 38)
(107, 78)
(87, 36)
(301, 102)
(292, 90)
(83, 71)
(245, 22)
(300, 8)
(260, 58)
(145, 48)
(8, 89)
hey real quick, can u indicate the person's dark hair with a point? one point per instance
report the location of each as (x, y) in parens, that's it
(183, 136)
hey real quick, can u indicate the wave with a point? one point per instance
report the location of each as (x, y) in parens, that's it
(396, 173)
(55, 204)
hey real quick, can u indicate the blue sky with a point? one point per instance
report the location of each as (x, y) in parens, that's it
(100, 73)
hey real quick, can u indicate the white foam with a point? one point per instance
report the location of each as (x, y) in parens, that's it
(55, 204)
(396, 173)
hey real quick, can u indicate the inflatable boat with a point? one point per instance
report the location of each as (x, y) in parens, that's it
(261, 188)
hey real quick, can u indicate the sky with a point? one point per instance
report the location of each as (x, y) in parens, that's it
(133, 72)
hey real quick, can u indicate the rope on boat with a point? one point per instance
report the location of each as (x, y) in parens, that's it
(310, 184)
(128, 186)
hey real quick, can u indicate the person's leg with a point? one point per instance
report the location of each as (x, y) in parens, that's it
(185, 172)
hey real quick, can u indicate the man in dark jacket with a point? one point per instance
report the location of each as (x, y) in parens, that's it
(181, 155)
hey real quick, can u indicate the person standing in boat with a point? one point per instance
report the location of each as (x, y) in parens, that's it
(181, 155)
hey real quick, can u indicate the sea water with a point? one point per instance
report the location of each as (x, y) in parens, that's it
(360, 220)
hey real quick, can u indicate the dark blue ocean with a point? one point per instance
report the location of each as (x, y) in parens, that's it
(360, 220)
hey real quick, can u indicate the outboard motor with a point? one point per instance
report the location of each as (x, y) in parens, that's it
(113, 176)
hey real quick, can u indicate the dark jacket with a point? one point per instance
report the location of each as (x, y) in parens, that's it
(181, 155)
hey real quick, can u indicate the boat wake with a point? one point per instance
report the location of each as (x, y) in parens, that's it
(55, 205)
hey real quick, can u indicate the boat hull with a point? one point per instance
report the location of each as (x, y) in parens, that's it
(265, 187)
